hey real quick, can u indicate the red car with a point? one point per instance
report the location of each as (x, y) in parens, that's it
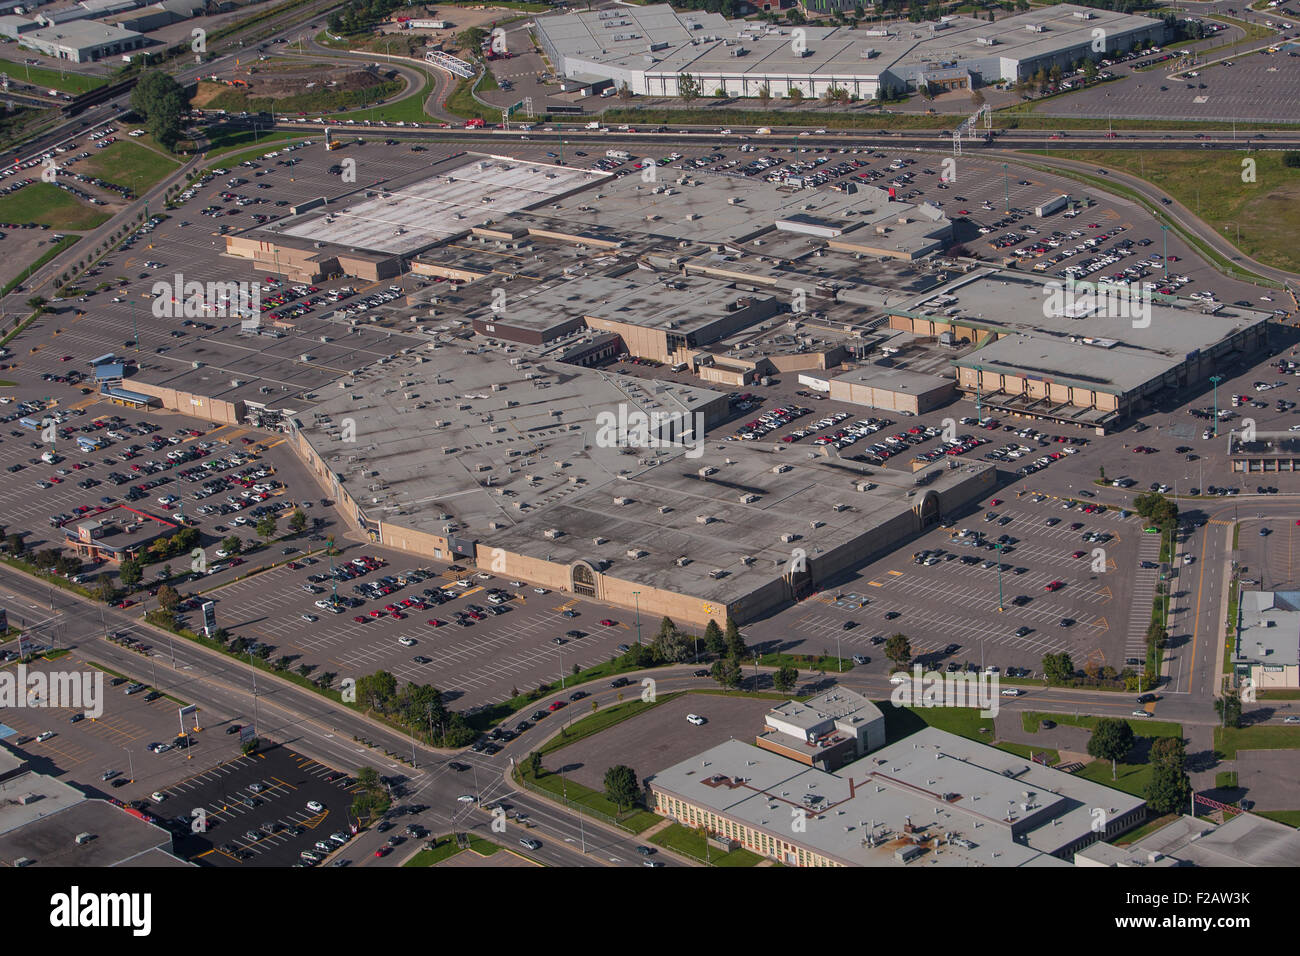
(360, 620)
(1078, 554)
(608, 623)
(398, 614)
(995, 502)
(556, 705)
(376, 613)
(1053, 585)
(384, 851)
(124, 604)
(434, 622)
(390, 608)
(66, 358)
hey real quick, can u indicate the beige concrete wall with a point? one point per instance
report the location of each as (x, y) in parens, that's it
(640, 342)
(188, 403)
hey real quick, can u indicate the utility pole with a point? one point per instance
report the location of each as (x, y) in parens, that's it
(1216, 379)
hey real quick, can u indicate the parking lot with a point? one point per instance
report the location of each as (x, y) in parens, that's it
(135, 741)
(661, 737)
(257, 810)
(502, 645)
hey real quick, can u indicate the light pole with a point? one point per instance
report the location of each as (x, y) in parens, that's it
(1000, 605)
(636, 595)
(1164, 235)
(1006, 188)
(130, 763)
(1216, 379)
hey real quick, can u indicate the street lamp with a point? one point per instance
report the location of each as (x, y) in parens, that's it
(130, 763)
(1000, 605)
(1006, 188)
(1164, 235)
(636, 595)
(1216, 379)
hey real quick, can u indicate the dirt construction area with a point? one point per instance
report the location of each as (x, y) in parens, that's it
(281, 80)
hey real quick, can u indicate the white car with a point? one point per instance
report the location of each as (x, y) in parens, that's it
(1143, 713)
(540, 591)
(315, 806)
(695, 719)
(44, 735)
(406, 641)
(466, 798)
(899, 679)
(157, 796)
(1012, 692)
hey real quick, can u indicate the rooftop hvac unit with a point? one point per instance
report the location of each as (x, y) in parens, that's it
(622, 500)
(704, 519)
(787, 538)
(682, 561)
(635, 553)
(748, 499)
(1035, 28)
(552, 533)
(664, 509)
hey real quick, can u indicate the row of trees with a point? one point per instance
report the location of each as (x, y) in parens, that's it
(419, 707)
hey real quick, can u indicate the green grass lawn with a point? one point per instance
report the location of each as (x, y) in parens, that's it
(1227, 740)
(222, 142)
(47, 204)
(1150, 827)
(408, 110)
(807, 663)
(444, 849)
(1226, 780)
(129, 164)
(1209, 183)
(690, 843)
(73, 83)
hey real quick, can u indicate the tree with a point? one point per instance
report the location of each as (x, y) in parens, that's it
(1170, 789)
(297, 521)
(535, 764)
(625, 92)
(898, 649)
(621, 786)
(688, 87)
(14, 544)
(377, 690)
(1111, 740)
(720, 92)
(713, 640)
(795, 95)
(726, 672)
(130, 572)
(735, 643)
(785, 678)
(168, 598)
(36, 303)
(46, 559)
(161, 100)
(765, 95)
(232, 545)
(1058, 668)
(1228, 707)
(266, 527)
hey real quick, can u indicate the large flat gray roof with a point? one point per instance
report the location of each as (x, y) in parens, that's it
(659, 41)
(932, 779)
(1108, 354)
(502, 437)
(442, 202)
(1270, 627)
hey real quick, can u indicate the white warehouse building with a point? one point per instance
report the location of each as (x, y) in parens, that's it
(649, 48)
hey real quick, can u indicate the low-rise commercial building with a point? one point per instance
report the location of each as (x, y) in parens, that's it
(929, 799)
(1267, 646)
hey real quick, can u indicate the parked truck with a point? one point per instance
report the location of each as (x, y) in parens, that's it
(1052, 205)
